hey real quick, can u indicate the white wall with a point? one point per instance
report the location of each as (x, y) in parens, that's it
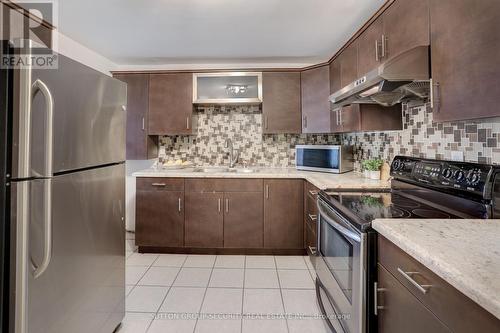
(74, 50)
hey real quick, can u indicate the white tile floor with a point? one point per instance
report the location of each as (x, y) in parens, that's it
(206, 293)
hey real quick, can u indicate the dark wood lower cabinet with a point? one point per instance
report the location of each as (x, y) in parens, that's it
(283, 214)
(401, 311)
(243, 220)
(204, 219)
(159, 218)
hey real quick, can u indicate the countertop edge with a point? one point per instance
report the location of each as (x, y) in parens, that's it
(442, 269)
(312, 177)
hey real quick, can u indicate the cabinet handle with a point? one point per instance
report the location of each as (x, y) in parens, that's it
(384, 46)
(143, 124)
(180, 207)
(305, 121)
(313, 192)
(377, 55)
(187, 122)
(219, 204)
(312, 249)
(407, 275)
(313, 217)
(435, 103)
(159, 184)
(266, 121)
(376, 290)
(340, 117)
(267, 191)
(227, 205)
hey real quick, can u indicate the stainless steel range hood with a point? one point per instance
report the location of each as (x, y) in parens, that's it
(402, 78)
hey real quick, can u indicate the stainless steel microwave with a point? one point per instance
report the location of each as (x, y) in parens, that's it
(324, 158)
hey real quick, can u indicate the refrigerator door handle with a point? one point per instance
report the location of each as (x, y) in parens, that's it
(40, 86)
(47, 221)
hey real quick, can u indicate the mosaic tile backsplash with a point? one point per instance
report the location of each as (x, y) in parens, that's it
(479, 140)
(243, 125)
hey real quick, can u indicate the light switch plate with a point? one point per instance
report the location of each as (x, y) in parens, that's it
(457, 156)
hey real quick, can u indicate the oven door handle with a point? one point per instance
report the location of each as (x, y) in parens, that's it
(343, 230)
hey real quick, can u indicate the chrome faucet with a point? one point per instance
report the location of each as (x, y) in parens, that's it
(233, 157)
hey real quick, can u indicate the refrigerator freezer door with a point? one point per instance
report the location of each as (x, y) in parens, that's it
(88, 122)
(83, 287)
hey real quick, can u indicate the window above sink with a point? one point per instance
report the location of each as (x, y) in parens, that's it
(227, 88)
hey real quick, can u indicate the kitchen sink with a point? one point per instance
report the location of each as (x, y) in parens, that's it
(224, 170)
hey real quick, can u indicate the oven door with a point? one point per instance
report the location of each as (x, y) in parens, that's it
(340, 267)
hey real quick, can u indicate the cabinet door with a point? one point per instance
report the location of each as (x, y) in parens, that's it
(369, 47)
(315, 86)
(349, 64)
(281, 102)
(335, 76)
(204, 219)
(283, 214)
(406, 25)
(140, 146)
(465, 48)
(350, 118)
(159, 218)
(170, 104)
(243, 220)
(400, 311)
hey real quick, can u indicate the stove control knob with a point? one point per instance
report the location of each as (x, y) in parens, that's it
(447, 173)
(459, 175)
(398, 165)
(473, 177)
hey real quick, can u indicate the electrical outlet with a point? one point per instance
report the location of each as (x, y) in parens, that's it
(457, 156)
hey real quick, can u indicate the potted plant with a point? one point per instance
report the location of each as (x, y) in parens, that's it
(372, 167)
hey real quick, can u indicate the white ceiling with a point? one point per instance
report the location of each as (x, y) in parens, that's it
(154, 33)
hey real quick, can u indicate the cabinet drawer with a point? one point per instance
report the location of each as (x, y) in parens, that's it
(455, 309)
(204, 185)
(160, 184)
(243, 185)
(311, 207)
(399, 311)
(311, 190)
(310, 238)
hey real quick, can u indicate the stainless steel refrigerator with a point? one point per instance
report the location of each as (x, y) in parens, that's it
(63, 199)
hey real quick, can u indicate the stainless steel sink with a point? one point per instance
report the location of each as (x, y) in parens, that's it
(212, 169)
(224, 170)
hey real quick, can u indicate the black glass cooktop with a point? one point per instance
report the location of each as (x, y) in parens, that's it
(369, 206)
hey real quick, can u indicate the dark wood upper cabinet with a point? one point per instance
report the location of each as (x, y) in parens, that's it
(281, 102)
(370, 47)
(366, 117)
(335, 84)
(400, 311)
(243, 220)
(140, 146)
(170, 104)
(465, 50)
(204, 219)
(406, 25)
(284, 213)
(349, 64)
(315, 86)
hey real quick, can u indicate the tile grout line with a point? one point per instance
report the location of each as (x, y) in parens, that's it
(243, 296)
(168, 291)
(281, 294)
(204, 295)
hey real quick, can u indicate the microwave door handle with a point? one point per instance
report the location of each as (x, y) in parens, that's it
(343, 230)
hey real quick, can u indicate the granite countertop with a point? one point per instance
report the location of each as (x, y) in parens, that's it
(321, 180)
(465, 253)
